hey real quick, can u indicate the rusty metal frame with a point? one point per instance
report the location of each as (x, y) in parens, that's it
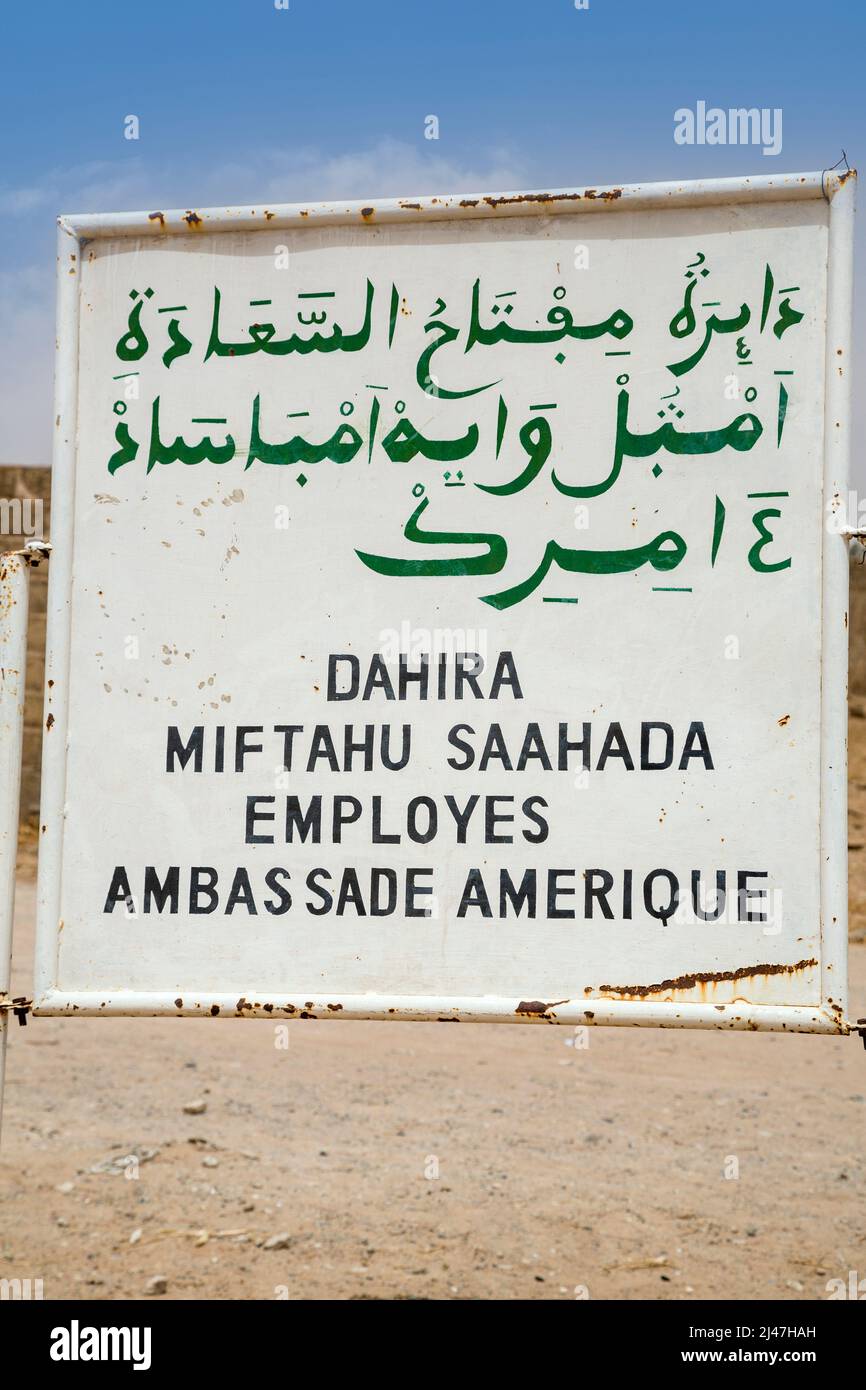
(829, 1017)
(14, 602)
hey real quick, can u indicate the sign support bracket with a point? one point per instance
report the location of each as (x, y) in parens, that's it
(14, 607)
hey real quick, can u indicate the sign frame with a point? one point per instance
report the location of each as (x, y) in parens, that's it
(661, 1006)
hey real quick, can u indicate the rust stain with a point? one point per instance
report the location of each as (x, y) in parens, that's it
(49, 723)
(214, 1008)
(469, 202)
(193, 220)
(783, 721)
(537, 1007)
(709, 977)
(532, 198)
(178, 1003)
(269, 215)
(156, 217)
(335, 1008)
(608, 195)
(415, 206)
(367, 213)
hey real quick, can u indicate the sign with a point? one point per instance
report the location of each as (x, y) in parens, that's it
(448, 610)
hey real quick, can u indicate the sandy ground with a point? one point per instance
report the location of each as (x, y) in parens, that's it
(414, 1161)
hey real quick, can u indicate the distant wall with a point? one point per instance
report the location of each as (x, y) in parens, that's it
(20, 490)
(30, 485)
(857, 630)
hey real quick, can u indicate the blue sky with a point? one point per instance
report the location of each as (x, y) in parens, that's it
(239, 101)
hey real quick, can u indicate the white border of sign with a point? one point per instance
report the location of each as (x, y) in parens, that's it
(74, 234)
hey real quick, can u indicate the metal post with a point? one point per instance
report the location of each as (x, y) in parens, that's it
(14, 596)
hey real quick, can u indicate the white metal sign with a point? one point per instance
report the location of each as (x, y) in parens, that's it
(448, 610)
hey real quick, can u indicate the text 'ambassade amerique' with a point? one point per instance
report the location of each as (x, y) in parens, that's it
(467, 816)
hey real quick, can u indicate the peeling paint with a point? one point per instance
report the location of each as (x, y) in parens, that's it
(537, 1006)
